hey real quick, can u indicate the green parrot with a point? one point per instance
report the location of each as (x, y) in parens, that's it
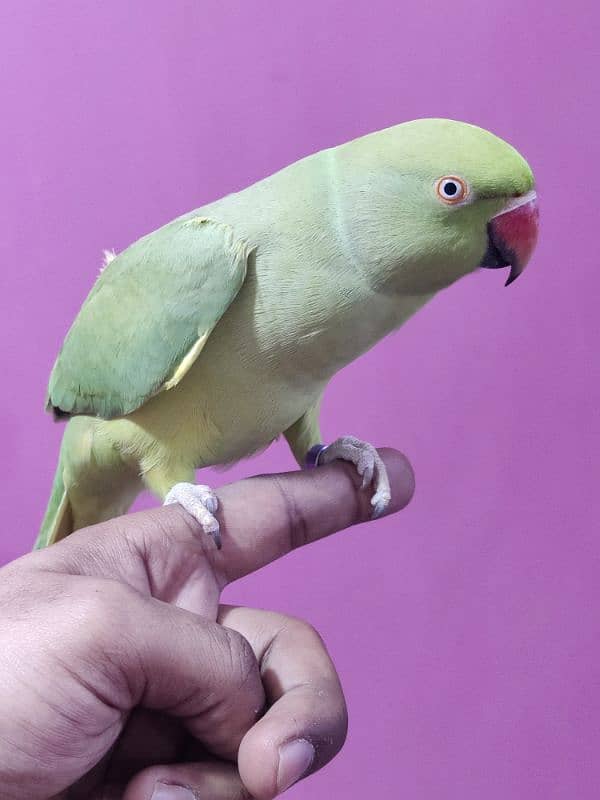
(208, 338)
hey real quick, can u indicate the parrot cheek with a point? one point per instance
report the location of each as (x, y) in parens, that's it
(512, 236)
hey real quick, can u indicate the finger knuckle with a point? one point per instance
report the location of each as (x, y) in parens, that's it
(296, 523)
(300, 627)
(299, 630)
(242, 659)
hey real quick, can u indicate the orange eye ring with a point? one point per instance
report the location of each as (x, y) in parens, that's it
(451, 189)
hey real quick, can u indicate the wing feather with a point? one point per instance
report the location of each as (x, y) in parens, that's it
(148, 318)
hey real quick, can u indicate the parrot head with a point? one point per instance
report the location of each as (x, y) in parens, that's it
(428, 201)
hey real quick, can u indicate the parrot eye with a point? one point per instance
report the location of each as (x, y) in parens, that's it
(451, 189)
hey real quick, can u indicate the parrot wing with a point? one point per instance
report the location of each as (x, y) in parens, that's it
(147, 318)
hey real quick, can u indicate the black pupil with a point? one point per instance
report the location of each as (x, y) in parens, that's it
(450, 188)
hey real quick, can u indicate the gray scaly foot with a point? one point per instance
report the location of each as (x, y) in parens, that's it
(369, 466)
(199, 501)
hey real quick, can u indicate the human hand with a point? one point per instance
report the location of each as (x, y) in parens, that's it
(121, 675)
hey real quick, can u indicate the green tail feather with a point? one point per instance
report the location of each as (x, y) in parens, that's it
(57, 522)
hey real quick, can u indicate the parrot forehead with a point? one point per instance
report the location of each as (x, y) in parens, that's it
(436, 147)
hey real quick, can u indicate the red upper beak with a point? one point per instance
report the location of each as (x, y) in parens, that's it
(512, 236)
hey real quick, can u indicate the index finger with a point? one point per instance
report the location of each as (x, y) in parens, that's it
(265, 517)
(165, 551)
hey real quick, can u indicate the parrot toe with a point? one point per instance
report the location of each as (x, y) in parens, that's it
(366, 467)
(380, 501)
(199, 501)
(369, 466)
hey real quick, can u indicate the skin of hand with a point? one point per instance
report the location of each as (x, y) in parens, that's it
(121, 675)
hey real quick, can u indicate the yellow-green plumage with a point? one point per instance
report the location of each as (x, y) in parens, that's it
(210, 337)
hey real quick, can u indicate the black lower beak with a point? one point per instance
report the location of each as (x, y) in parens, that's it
(498, 257)
(493, 258)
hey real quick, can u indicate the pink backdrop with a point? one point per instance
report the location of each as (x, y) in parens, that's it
(466, 629)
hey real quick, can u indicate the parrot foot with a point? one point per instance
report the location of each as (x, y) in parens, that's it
(369, 466)
(199, 501)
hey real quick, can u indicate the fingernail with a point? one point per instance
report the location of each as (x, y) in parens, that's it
(294, 760)
(163, 791)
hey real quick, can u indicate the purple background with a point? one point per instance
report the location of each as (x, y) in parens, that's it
(466, 629)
